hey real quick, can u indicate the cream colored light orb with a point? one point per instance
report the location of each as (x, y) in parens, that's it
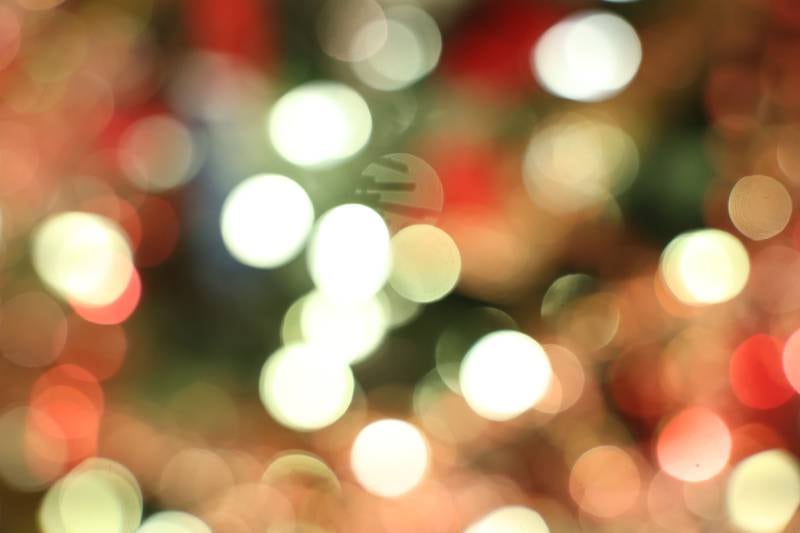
(266, 220)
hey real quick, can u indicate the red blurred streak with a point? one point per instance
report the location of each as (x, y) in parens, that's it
(492, 51)
(243, 28)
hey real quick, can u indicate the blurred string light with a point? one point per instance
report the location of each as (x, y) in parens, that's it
(349, 255)
(504, 374)
(389, 457)
(763, 492)
(266, 220)
(157, 153)
(117, 311)
(588, 56)
(694, 445)
(576, 162)
(97, 496)
(457, 338)
(705, 267)
(426, 263)
(759, 206)
(82, 257)
(410, 48)
(511, 519)
(319, 123)
(173, 522)
(304, 388)
(349, 331)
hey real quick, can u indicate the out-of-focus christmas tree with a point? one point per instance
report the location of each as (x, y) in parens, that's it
(404, 266)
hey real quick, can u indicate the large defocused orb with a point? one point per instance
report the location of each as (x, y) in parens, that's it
(305, 389)
(349, 255)
(319, 123)
(588, 56)
(504, 374)
(83, 257)
(389, 457)
(266, 220)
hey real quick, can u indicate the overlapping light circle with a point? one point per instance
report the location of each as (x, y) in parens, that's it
(349, 255)
(82, 257)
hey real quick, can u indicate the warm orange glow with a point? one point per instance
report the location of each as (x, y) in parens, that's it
(694, 445)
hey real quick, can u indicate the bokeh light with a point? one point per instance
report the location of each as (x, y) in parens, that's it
(266, 220)
(99, 495)
(588, 56)
(511, 519)
(410, 48)
(605, 481)
(349, 331)
(763, 492)
(759, 206)
(575, 162)
(349, 255)
(705, 267)
(173, 522)
(157, 153)
(426, 263)
(694, 445)
(389, 457)
(32, 450)
(340, 27)
(757, 375)
(82, 257)
(504, 374)
(305, 389)
(319, 123)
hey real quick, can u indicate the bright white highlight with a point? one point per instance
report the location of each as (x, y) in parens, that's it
(349, 331)
(82, 257)
(319, 123)
(389, 457)
(266, 220)
(511, 519)
(504, 374)
(349, 255)
(705, 267)
(589, 56)
(98, 496)
(174, 522)
(763, 492)
(305, 389)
